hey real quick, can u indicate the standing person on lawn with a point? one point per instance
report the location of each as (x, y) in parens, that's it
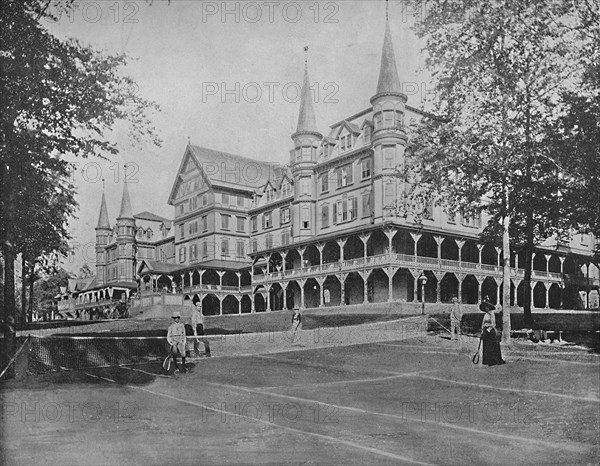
(456, 314)
(198, 327)
(176, 338)
(491, 345)
(296, 323)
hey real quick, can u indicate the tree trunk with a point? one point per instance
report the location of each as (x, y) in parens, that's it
(506, 274)
(31, 283)
(22, 318)
(10, 341)
(527, 304)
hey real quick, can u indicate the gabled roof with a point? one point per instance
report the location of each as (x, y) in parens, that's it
(152, 217)
(351, 127)
(230, 168)
(157, 267)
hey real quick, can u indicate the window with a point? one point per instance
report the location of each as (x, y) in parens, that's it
(388, 195)
(388, 118)
(367, 134)
(254, 245)
(182, 254)
(388, 156)
(225, 247)
(181, 209)
(366, 204)
(326, 150)
(378, 121)
(225, 198)
(225, 222)
(269, 241)
(204, 249)
(240, 201)
(345, 210)
(305, 186)
(269, 194)
(204, 221)
(240, 249)
(193, 227)
(241, 224)
(285, 215)
(365, 168)
(324, 216)
(285, 188)
(307, 154)
(149, 233)
(285, 238)
(267, 220)
(344, 176)
(399, 120)
(324, 182)
(193, 252)
(305, 217)
(181, 231)
(254, 223)
(205, 199)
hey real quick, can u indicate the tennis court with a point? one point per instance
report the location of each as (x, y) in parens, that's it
(416, 400)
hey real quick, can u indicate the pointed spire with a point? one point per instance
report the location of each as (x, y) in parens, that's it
(103, 218)
(306, 118)
(388, 73)
(126, 210)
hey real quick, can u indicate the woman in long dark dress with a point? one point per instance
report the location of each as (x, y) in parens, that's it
(491, 346)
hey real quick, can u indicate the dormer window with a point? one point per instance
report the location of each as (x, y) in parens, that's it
(346, 142)
(285, 188)
(269, 194)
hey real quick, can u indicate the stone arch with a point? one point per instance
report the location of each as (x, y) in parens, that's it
(489, 288)
(539, 295)
(312, 291)
(470, 252)
(402, 243)
(539, 262)
(276, 297)
(377, 243)
(377, 286)
(293, 294)
(489, 255)
(402, 286)
(333, 289)
(554, 296)
(210, 277)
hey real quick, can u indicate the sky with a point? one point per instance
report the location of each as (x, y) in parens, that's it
(226, 75)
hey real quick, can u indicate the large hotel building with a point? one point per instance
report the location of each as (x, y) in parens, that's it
(324, 229)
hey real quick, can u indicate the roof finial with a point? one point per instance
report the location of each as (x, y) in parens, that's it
(103, 184)
(386, 10)
(125, 170)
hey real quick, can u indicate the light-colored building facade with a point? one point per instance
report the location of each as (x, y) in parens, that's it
(328, 228)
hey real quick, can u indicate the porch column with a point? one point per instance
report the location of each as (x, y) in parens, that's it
(439, 240)
(547, 286)
(239, 275)
(460, 243)
(415, 237)
(391, 271)
(439, 276)
(252, 307)
(221, 273)
(479, 287)
(498, 283)
(341, 243)
(220, 305)
(415, 274)
(562, 261)
(548, 257)
(460, 277)
(191, 274)
(284, 286)
(342, 279)
(268, 300)
(320, 281)
(479, 249)
(283, 256)
(301, 252)
(531, 293)
(268, 264)
(301, 283)
(389, 233)
(365, 239)
(517, 282)
(365, 277)
(499, 254)
(320, 247)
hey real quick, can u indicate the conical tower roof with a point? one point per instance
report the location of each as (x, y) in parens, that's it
(126, 210)
(388, 73)
(103, 222)
(306, 117)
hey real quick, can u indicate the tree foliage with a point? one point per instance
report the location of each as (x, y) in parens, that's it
(501, 70)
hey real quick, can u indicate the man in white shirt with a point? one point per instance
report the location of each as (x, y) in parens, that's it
(198, 328)
(176, 338)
